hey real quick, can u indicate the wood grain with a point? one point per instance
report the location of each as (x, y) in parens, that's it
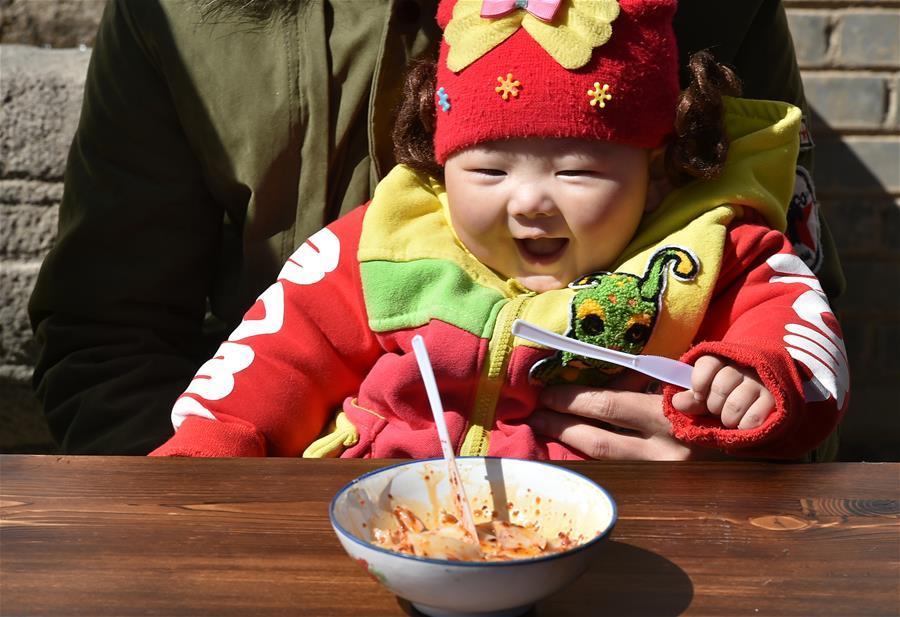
(136, 536)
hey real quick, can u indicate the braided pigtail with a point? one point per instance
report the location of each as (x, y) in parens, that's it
(413, 132)
(700, 145)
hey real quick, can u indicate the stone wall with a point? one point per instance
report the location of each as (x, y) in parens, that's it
(41, 91)
(849, 52)
(52, 23)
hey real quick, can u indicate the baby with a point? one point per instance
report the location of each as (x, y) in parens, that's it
(551, 170)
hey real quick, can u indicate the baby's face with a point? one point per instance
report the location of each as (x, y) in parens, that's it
(546, 211)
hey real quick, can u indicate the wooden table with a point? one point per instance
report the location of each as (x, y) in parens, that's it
(136, 536)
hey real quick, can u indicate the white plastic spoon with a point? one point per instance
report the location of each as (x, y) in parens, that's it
(664, 369)
(463, 510)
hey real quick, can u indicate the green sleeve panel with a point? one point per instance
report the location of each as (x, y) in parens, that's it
(408, 294)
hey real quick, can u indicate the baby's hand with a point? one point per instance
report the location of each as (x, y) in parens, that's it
(734, 393)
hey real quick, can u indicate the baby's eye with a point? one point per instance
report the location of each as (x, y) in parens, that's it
(578, 173)
(489, 172)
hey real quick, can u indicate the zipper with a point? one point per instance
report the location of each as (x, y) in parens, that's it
(490, 383)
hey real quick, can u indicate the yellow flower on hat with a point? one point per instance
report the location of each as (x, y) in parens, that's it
(577, 28)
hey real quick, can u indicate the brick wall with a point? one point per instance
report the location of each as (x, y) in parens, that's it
(850, 56)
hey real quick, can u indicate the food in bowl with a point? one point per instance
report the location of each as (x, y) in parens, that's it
(545, 498)
(498, 539)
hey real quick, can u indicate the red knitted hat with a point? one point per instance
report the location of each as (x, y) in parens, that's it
(594, 69)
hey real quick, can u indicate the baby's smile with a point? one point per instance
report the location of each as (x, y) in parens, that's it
(542, 250)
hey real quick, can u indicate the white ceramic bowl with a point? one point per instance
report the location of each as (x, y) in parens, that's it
(529, 491)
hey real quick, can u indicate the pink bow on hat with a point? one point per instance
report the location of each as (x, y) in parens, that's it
(542, 9)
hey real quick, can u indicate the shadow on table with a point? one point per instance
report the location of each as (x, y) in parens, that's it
(625, 581)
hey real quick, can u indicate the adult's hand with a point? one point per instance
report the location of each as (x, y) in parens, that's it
(620, 422)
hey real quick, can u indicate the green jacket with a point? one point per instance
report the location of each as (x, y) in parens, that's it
(209, 148)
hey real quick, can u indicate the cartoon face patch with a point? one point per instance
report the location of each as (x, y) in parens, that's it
(803, 227)
(616, 310)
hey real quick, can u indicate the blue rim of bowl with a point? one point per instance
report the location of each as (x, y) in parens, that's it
(480, 564)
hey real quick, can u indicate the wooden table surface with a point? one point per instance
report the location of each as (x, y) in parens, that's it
(137, 536)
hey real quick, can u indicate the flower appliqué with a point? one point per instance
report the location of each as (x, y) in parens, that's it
(577, 27)
(508, 87)
(599, 95)
(443, 99)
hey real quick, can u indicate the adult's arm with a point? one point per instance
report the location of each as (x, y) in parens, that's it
(120, 300)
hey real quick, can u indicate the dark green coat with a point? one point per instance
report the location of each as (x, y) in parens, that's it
(209, 148)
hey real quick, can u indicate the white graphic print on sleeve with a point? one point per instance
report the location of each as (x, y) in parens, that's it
(819, 349)
(214, 381)
(313, 260)
(187, 406)
(273, 302)
(309, 264)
